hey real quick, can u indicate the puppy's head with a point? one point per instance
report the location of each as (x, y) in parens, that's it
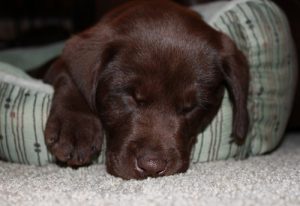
(156, 76)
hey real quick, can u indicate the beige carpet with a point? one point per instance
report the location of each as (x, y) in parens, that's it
(266, 180)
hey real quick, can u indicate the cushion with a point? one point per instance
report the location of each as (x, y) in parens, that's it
(260, 30)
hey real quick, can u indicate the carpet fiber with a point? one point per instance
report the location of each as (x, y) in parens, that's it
(272, 179)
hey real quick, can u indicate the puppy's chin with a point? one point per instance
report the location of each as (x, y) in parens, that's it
(127, 167)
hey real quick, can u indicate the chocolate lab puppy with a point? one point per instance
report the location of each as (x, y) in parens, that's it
(150, 76)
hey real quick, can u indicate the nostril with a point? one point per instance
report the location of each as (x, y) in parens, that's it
(151, 166)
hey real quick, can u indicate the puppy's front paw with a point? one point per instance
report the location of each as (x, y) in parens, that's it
(74, 138)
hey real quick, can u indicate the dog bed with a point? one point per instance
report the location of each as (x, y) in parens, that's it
(260, 30)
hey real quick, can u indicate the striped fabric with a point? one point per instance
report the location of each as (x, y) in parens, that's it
(259, 29)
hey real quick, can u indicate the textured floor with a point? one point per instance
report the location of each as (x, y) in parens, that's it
(266, 180)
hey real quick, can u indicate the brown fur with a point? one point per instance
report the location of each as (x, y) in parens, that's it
(151, 74)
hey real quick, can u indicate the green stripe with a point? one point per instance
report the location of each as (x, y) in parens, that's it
(43, 112)
(2, 95)
(22, 126)
(35, 130)
(220, 132)
(211, 141)
(49, 104)
(201, 146)
(13, 127)
(18, 125)
(6, 122)
(49, 100)
(192, 153)
(216, 137)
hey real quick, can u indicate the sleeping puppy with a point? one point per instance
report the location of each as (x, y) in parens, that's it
(151, 76)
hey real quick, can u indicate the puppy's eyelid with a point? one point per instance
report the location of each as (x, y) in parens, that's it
(186, 109)
(139, 99)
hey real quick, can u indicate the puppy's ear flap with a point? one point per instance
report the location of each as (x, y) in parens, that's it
(85, 56)
(235, 69)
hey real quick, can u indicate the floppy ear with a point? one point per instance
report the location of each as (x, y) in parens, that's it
(236, 73)
(85, 56)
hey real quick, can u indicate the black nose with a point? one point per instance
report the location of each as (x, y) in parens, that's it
(151, 165)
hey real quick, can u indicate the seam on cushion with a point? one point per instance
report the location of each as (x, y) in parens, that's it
(228, 7)
(31, 84)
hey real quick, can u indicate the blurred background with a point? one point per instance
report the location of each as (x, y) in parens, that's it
(37, 22)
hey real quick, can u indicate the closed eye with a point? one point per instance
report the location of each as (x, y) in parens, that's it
(139, 99)
(186, 109)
